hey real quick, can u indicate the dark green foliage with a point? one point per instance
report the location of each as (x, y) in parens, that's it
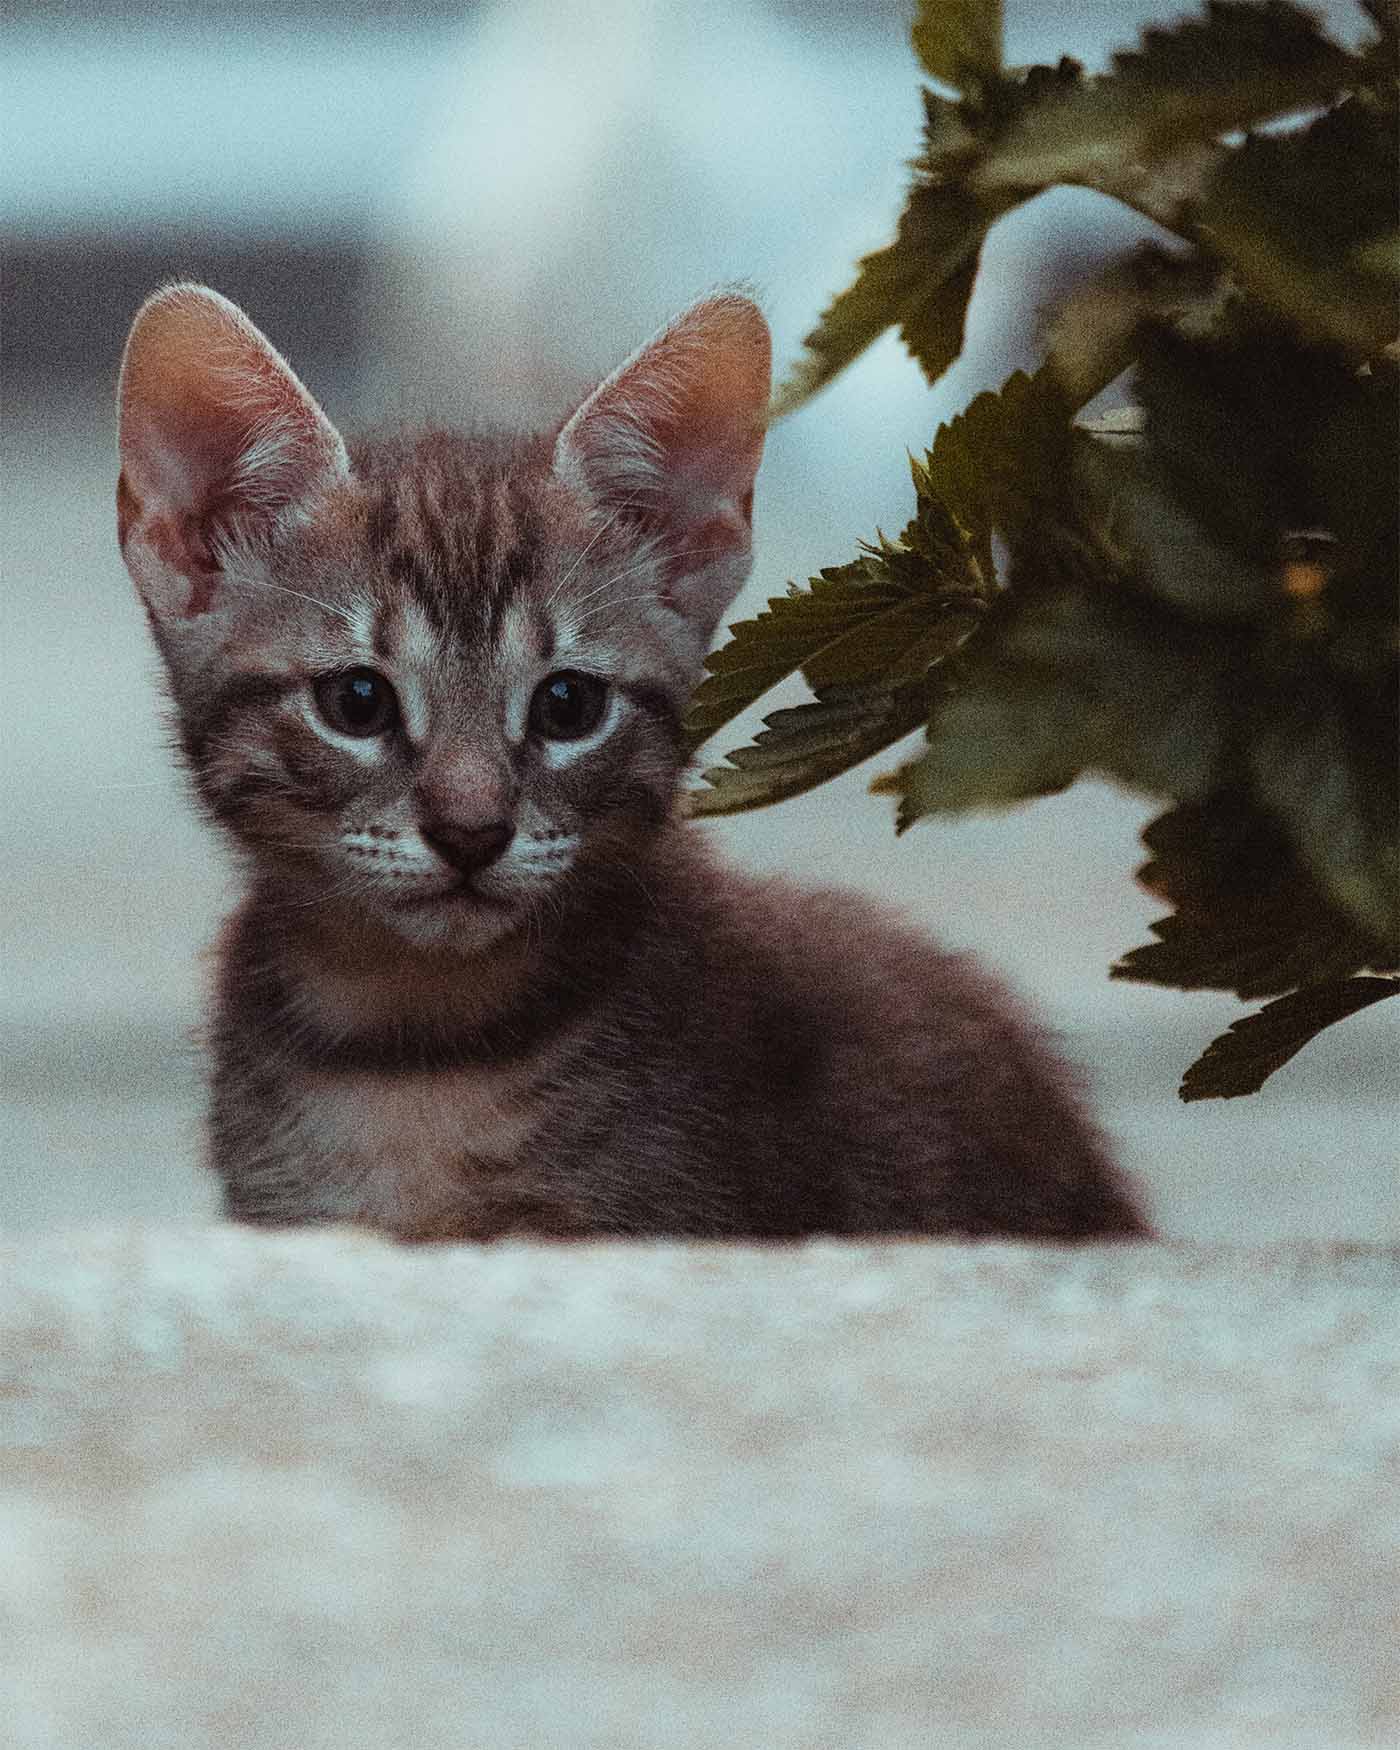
(921, 283)
(1300, 217)
(879, 622)
(1248, 917)
(1242, 1060)
(959, 41)
(1236, 66)
(1199, 603)
(804, 746)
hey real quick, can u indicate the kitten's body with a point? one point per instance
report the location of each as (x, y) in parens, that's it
(684, 1051)
(485, 980)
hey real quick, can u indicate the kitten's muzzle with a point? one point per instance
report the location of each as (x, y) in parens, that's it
(468, 848)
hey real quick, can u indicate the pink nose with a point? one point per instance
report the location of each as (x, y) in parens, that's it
(468, 848)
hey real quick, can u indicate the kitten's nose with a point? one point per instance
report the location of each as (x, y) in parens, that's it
(468, 848)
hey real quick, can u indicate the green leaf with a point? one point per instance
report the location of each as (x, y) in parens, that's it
(905, 605)
(1094, 334)
(1353, 456)
(932, 326)
(1068, 681)
(999, 462)
(959, 41)
(1248, 917)
(1303, 219)
(921, 282)
(1242, 1060)
(1239, 64)
(1323, 761)
(1166, 550)
(1232, 424)
(883, 618)
(855, 623)
(1014, 733)
(808, 744)
(795, 627)
(895, 647)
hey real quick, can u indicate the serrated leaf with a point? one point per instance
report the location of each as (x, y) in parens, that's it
(883, 618)
(1014, 733)
(1166, 550)
(1239, 64)
(959, 41)
(1248, 918)
(853, 624)
(1158, 689)
(808, 744)
(774, 644)
(895, 647)
(1295, 213)
(1074, 681)
(1232, 421)
(997, 462)
(1093, 336)
(1242, 1060)
(921, 282)
(1325, 765)
(932, 327)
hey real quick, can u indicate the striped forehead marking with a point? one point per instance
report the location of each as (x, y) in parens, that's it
(417, 657)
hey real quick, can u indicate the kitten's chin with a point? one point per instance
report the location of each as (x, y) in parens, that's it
(457, 923)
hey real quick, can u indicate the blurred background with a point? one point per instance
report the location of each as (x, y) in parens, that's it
(475, 211)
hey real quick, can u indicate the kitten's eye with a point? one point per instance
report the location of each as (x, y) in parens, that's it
(357, 701)
(567, 705)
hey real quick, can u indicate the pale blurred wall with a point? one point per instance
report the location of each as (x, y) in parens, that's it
(477, 210)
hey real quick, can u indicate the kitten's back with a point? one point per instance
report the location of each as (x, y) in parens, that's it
(834, 1071)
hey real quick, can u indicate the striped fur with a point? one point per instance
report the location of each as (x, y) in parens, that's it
(593, 1028)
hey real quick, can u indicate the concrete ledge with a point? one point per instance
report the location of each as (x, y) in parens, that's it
(313, 1490)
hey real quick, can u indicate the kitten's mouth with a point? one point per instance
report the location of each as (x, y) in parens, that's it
(462, 891)
(458, 917)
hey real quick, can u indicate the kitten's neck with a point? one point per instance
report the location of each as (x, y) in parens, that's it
(348, 988)
(354, 974)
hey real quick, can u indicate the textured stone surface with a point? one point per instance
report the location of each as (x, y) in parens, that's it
(312, 1490)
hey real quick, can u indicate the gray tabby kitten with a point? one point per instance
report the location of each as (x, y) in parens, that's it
(484, 979)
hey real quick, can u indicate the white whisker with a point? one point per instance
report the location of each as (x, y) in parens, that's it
(597, 536)
(617, 577)
(578, 620)
(300, 595)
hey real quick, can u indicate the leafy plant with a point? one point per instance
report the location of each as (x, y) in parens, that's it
(1198, 601)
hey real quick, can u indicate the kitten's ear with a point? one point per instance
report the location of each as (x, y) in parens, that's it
(673, 440)
(218, 439)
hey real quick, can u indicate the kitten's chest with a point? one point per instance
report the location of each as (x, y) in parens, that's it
(420, 1154)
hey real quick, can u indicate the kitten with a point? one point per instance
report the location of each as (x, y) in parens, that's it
(484, 979)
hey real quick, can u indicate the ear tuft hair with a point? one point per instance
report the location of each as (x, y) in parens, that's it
(219, 440)
(673, 439)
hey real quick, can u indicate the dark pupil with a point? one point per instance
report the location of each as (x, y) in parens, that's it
(568, 704)
(357, 702)
(565, 703)
(361, 699)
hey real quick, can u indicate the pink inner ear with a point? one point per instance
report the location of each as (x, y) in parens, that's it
(216, 429)
(679, 429)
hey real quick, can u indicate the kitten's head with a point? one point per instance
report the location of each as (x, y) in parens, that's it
(438, 676)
